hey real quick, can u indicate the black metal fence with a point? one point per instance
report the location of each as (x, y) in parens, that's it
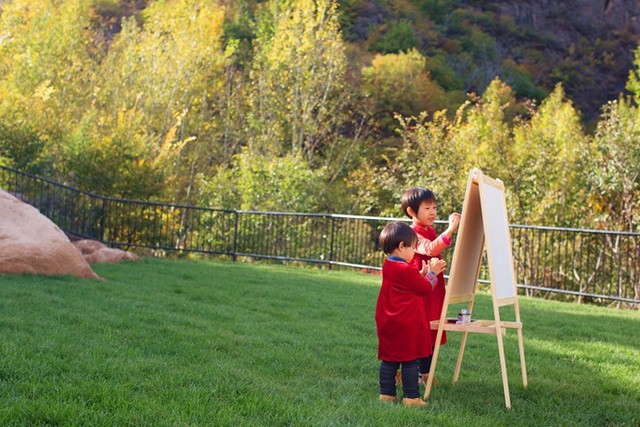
(575, 264)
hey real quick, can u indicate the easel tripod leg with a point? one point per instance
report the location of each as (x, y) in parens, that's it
(434, 362)
(523, 365)
(503, 366)
(463, 344)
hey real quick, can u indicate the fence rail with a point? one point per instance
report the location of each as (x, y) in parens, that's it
(566, 263)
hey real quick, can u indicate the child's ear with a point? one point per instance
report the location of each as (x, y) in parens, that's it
(411, 212)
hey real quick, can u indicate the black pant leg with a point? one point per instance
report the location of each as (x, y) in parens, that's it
(410, 379)
(388, 377)
(425, 364)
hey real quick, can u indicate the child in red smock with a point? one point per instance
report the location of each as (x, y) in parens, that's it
(401, 319)
(420, 204)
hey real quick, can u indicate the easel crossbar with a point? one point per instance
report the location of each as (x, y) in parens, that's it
(478, 326)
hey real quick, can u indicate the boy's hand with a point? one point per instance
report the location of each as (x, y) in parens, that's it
(425, 269)
(435, 265)
(454, 221)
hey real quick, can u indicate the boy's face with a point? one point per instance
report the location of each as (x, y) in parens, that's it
(426, 215)
(406, 252)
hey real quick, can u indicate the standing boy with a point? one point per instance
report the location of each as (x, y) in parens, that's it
(401, 319)
(420, 204)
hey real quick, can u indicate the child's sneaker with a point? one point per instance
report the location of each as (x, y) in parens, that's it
(415, 402)
(388, 398)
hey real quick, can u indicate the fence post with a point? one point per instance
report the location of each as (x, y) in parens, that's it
(235, 236)
(103, 217)
(333, 221)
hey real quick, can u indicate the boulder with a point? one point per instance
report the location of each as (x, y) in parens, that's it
(31, 243)
(87, 247)
(95, 252)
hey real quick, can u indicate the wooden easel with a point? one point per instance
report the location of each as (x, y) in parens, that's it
(483, 223)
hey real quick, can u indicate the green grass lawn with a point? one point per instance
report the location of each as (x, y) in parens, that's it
(203, 343)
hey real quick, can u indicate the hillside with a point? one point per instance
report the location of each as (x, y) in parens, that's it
(586, 45)
(593, 45)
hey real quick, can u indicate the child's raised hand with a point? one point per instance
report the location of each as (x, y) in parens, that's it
(454, 221)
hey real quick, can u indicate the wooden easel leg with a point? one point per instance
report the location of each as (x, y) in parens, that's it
(434, 362)
(503, 366)
(523, 365)
(463, 344)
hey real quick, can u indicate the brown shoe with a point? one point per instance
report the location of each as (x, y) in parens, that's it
(415, 402)
(387, 398)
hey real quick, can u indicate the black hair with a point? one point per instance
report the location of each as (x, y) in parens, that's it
(413, 198)
(395, 233)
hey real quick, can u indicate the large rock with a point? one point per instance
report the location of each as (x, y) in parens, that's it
(31, 243)
(95, 252)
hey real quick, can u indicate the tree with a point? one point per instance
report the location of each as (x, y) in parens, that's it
(540, 160)
(46, 65)
(398, 38)
(434, 156)
(615, 173)
(298, 96)
(400, 83)
(272, 183)
(633, 81)
(299, 105)
(487, 131)
(550, 154)
(163, 85)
